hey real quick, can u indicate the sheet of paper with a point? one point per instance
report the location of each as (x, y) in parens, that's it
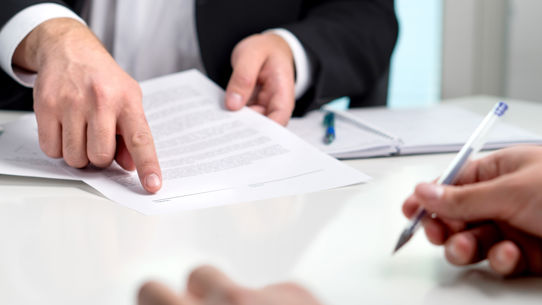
(209, 156)
(20, 153)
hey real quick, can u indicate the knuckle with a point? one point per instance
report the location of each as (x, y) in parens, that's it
(103, 97)
(243, 81)
(45, 103)
(73, 155)
(141, 138)
(100, 91)
(76, 161)
(135, 90)
(101, 159)
(132, 93)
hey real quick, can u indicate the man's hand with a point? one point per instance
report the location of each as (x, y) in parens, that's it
(494, 212)
(263, 77)
(207, 285)
(88, 109)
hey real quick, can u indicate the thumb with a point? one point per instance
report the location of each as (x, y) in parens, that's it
(209, 282)
(489, 200)
(247, 61)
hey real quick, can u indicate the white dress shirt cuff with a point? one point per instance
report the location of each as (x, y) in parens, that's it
(18, 27)
(302, 64)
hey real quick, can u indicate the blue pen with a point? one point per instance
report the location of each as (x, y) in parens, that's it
(473, 145)
(329, 124)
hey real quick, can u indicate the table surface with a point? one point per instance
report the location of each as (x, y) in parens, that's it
(64, 243)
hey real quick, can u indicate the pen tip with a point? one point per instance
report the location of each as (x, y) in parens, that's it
(405, 237)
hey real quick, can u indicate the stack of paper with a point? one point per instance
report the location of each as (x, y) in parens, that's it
(209, 156)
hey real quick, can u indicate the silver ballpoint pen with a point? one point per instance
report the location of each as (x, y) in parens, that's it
(473, 145)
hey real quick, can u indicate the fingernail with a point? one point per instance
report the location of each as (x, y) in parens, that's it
(431, 191)
(234, 100)
(504, 261)
(502, 258)
(152, 181)
(452, 252)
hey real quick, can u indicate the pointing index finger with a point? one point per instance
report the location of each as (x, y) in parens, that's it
(139, 143)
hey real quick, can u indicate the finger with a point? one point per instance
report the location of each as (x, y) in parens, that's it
(153, 293)
(246, 62)
(505, 258)
(258, 108)
(101, 140)
(530, 247)
(122, 155)
(473, 202)
(50, 135)
(139, 143)
(471, 246)
(410, 206)
(281, 106)
(74, 141)
(435, 230)
(208, 282)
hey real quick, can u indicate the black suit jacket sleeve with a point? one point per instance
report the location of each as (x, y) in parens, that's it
(13, 95)
(349, 44)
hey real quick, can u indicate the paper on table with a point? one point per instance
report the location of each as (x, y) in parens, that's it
(20, 153)
(210, 156)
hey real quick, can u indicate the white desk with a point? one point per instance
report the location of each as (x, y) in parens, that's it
(63, 243)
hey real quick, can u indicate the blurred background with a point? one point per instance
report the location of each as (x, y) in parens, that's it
(454, 48)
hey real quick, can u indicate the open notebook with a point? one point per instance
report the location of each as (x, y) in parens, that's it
(413, 131)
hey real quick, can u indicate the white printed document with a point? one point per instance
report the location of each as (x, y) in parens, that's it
(209, 156)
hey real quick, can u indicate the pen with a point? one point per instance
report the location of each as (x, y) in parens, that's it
(473, 145)
(365, 125)
(329, 123)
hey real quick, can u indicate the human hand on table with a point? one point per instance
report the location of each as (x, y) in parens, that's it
(208, 286)
(493, 212)
(87, 108)
(263, 77)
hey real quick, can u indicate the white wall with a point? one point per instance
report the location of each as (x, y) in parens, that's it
(524, 76)
(492, 47)
(474, 47)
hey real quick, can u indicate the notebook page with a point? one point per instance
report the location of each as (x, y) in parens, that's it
(441, 129)
(350, 140)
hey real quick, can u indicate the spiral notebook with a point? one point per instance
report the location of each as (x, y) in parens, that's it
(373, 132)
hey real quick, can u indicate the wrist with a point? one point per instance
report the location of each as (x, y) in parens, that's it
(283, 46)
(49, 39)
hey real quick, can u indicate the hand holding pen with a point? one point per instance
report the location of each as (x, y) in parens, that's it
(473, 145)
(492, 212)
